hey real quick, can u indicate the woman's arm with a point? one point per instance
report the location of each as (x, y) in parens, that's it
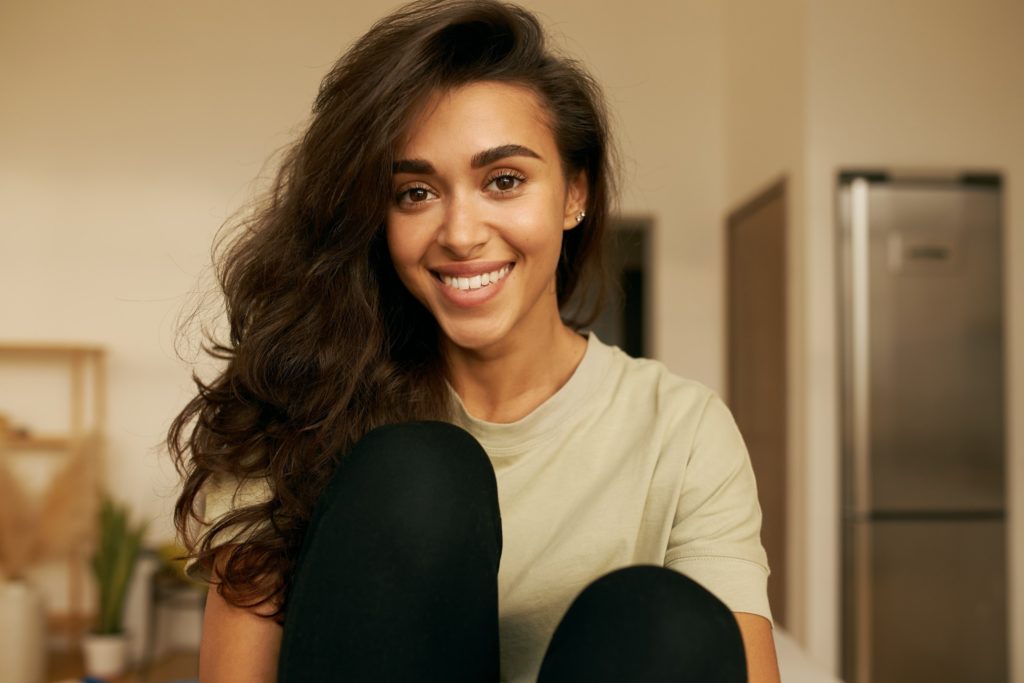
(762, 666)
(238, 646)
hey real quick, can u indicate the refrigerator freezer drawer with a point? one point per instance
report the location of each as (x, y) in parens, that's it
(927, 600)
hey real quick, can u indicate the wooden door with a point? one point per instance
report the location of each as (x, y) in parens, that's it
(756, 339)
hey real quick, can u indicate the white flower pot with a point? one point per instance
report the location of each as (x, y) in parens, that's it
(22, 634)
(106, 656)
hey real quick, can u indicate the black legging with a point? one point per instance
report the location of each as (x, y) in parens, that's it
(397, 581)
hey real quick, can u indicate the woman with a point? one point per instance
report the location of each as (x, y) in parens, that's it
(404, 276)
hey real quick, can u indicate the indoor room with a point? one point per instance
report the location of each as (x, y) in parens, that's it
(818, 219)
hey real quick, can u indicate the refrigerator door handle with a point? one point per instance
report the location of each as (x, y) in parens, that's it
(861, 369)
(860, 423)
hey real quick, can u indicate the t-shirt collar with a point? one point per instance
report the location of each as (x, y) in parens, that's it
(565, 405)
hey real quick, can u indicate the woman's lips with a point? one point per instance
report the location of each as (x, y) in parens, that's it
(468, 285)
(475, 280)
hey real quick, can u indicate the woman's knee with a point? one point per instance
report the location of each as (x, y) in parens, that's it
(668, 601)
(422, 463)
(419, 483)
(652, 617)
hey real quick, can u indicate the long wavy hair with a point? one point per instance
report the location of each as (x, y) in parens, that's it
(325, 343)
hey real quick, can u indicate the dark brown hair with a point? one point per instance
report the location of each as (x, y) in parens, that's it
(325, 343)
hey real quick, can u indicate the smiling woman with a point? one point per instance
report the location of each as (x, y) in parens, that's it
(403, 409)
(481, 194)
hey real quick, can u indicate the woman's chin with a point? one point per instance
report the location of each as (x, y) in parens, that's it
(473, 338)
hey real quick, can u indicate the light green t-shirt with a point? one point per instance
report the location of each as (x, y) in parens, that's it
(625, 464)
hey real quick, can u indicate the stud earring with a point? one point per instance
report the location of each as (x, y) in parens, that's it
(580, 216)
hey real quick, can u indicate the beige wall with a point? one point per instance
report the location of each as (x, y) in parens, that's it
(765, 129)
(660, 65)
(129, 133)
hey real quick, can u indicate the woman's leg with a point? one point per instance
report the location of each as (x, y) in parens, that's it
(645, 623)
(397, 577)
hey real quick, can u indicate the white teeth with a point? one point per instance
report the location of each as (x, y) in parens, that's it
(476, 281)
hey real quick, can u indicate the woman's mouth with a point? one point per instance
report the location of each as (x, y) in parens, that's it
(472, 282)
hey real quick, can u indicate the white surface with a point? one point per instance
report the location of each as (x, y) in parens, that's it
(794, 664)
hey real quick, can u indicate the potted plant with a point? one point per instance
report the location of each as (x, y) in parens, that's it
(113, 563)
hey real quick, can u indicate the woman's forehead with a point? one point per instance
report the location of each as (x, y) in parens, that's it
(476, 116)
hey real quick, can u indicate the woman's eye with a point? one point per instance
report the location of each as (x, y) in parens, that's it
(413, 195)
(505, 182)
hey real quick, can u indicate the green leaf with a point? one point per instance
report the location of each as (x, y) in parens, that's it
(117, 552)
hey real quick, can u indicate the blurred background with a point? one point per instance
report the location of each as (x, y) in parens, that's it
(129, 132)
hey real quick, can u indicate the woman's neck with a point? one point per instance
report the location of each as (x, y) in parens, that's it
(507, 384)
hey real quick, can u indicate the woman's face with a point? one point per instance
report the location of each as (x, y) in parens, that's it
(479, 204)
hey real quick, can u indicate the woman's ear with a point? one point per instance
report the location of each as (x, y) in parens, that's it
(575, 201)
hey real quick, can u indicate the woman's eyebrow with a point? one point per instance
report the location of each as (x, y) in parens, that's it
(479, 160)
(489, 156)
(419, 166)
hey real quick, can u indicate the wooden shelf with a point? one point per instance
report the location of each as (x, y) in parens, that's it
(48, 349)
(80, 443)
(35, 443)
(44, 442)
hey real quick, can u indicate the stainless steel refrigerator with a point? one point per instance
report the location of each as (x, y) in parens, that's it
(924, 525)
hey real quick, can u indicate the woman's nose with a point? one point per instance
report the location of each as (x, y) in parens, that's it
(464, 231)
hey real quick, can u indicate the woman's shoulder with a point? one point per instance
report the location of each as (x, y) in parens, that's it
(221, 496)
(649, 382)
(681, 419)
(654, 400)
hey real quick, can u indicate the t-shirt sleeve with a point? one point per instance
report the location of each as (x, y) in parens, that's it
(716, 535)
(220, 497)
